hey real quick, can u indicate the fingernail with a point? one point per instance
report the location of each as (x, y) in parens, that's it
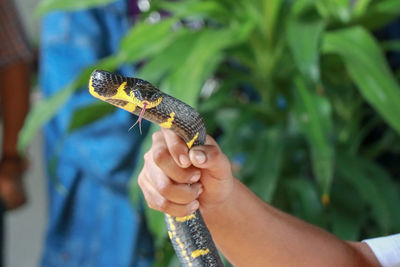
(199, 156)
(195, 177)
(184, 160)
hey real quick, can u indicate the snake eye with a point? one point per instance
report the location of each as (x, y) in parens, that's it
(136, 93)
(144, 93)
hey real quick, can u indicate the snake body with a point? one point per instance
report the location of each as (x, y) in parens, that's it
(189, 235)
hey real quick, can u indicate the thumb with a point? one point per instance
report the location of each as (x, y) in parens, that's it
(211, 158)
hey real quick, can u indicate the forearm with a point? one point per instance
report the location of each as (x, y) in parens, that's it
(252, 233)
(248, 231)
(14, 95)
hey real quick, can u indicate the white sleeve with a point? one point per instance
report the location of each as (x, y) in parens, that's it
(386, 249)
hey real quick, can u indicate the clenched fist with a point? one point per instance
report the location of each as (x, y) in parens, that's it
(177, 181)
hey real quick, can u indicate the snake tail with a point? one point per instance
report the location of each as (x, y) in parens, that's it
(189, 235)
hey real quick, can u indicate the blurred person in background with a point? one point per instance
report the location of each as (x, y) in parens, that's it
(91, 220)
(15, 59)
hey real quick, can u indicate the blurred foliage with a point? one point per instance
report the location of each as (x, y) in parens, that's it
(299, 94)
(49, 5)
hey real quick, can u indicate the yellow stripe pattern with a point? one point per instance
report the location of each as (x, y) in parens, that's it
(168, 123)
(121, 95)
(185, 218)
(172, 236)
(190, 143)
(200, 252)
(133, 102)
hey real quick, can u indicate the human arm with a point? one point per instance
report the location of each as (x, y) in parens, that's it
(248, 231)
(14, 97)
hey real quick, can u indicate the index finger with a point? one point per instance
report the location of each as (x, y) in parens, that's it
(177, 148)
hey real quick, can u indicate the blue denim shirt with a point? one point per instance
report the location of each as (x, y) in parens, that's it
(91, 222)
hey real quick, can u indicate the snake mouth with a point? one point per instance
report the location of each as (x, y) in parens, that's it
(139, 120)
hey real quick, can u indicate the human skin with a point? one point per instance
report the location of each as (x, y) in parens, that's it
(248, 231)
(14, 105)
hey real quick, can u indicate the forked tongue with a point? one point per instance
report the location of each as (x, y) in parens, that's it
(139, 120)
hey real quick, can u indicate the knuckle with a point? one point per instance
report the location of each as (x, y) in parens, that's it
(164, 189)
(213, 153)
(183, 179)
(140, 180)
(164, 205)
(147, 156)
(155, 136)
(159, 155)
(149, 201)
(153, 206)
(175, 145)
(224, 158)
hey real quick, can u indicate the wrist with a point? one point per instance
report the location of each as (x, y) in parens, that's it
(227, 202)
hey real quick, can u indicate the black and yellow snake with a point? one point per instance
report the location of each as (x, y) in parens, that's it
(189, 235)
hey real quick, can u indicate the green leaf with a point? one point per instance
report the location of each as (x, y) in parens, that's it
(40, 114)
(196, 9)
(173, 56)
(386, 186)
(313, 114)
(271, 12)
(50, 5)
(368, 68)
(268, 159)
(347, 211)
(306, 204)
(302, 7)
(352, 170)
(304, 38)
(388, 7)
(379, 14)
(146, 39)
(156, 223)
(345, 226)
(391, 45)
(89, 114)
(361, 6)
(336, 9)
(202, 59)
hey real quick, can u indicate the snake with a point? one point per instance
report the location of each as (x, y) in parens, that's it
(189, 235)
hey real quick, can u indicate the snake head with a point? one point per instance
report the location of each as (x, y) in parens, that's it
(144, 93)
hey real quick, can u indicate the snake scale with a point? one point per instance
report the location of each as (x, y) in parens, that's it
(189, 235)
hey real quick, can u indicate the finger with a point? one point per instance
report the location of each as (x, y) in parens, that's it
(179, 193)
(210, 157)
(163, 159)
(175, 192)
(210, 141)
(177, 147)
(157, 202)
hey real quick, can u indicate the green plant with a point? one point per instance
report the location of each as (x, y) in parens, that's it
(296, 90)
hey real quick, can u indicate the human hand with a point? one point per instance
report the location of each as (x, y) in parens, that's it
(177, 181)
(12, 192)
